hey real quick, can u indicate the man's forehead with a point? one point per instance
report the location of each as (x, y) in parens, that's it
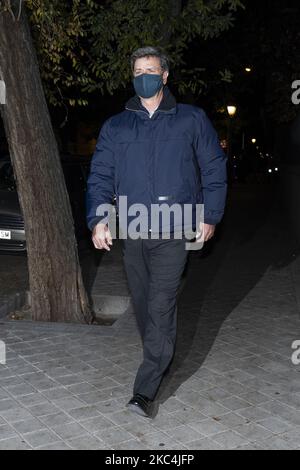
(147, 62)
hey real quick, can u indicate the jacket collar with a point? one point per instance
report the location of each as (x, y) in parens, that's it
(167, 104)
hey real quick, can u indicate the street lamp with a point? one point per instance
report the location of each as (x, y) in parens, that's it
(231, 111)
(248, 69)
(253, 141)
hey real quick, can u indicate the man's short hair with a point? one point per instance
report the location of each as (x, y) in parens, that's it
(150, 52)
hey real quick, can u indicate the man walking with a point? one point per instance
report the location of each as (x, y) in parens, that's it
(156, 152)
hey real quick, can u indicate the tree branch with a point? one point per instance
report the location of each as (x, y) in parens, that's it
(20, 10)
(7, 7)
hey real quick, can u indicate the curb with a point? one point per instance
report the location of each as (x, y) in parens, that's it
(13, 302)
(110, 307)
(106, 306)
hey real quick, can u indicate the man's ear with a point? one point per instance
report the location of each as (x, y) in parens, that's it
(165, 77)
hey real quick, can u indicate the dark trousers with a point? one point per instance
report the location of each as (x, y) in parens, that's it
(154, 269)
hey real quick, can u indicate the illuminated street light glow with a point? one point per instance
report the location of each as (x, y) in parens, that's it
(231, 110)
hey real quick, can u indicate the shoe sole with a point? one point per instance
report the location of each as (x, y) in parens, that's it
(137, 410)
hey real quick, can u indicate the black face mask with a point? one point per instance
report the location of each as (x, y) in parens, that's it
(148, 84)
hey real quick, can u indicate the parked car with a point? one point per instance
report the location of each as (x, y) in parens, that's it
(12, 230)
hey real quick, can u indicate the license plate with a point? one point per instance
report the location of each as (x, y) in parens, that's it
(5, 234)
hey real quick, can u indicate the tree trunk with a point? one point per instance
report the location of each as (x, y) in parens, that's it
(56, 284)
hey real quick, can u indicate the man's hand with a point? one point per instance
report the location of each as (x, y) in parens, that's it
(101, 237)
(206, 232)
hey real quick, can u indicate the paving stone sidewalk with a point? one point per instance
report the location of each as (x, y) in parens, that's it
(66, 386)
(232, 384)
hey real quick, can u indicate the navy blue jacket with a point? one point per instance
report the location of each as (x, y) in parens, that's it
(174, 157)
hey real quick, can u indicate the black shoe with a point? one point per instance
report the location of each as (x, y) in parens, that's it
(141, 405)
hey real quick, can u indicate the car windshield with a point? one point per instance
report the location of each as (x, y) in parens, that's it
(7, 180)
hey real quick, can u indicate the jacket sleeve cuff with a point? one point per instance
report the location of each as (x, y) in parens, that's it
(211, 221)
(92, 224)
